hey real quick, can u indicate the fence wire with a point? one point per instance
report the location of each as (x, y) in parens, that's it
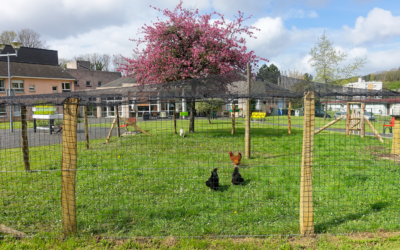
(145, 177)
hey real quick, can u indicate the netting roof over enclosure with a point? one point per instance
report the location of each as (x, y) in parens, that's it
(226, 87)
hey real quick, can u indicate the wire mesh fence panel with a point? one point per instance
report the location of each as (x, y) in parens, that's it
(162, 160)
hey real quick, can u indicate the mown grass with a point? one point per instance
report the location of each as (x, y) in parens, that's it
(155, 185)
(325, 242)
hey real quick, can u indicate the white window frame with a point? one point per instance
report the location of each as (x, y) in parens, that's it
(2, 86)
(63, 87)
(56, 90)
(30, 86)
(20, 84)
(3, 110)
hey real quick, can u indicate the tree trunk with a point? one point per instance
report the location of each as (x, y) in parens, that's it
(209, 117)
(191, 123)
(326, 109)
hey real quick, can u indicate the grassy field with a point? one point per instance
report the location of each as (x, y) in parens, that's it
(380, 240)
(155, 185)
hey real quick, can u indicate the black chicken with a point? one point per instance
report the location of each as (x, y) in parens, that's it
(213, 181)
(236, 177)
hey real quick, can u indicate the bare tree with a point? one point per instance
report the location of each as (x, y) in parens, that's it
(31, 39)
(97, 61)
(63, 62)
(7, 36)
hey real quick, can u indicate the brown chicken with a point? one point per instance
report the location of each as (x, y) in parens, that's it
(236, 159)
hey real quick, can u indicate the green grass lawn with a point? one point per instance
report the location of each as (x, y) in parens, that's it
(155, 185)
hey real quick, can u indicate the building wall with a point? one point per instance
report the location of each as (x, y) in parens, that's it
(42, 86)
(94, 77)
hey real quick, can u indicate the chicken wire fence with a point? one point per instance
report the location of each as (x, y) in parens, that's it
(155, 160)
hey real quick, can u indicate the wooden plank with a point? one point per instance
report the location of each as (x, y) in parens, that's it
(362, 123)
(330, 124)
(24, 139)
(352, 127)
(134, 125)
(117, 115)
(111, 129)
(348, 119)
(247, 139)
(306, 191)
(86, 126)
(68, 166)
(290, 119)
(9, 230)
(233, 118)
(374, 130)
(396, 137)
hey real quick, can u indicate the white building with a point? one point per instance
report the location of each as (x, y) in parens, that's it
(362, 84)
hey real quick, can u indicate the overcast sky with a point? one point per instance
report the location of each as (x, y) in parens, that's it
(289, 28)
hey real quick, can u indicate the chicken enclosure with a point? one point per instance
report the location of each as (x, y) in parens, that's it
(114, 162)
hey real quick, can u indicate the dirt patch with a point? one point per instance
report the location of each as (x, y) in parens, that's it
(170, 241)
(375, 148)
(392, 157)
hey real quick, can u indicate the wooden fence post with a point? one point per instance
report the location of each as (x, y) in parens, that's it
(306, 192)
(24, 138)
(68, 167)
(348, 119)
(290, 119)
(111, 129)
(247, 140)
(233, 118)
(117, 115)
(396, 136)
(86, 126)
(362, 122)
(175, 118)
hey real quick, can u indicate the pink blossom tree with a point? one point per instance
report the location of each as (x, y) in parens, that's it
(188, 45)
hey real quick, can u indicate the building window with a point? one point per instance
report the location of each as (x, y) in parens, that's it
(88, 84)
(76, 83)
(17, 111)
(66, 87)
(31, 88)
(2, 87)
(99, 84)
(18, 86)
(55, 89)
(3, 110)
(374, 86)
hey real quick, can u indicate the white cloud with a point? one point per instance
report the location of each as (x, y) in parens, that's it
(379, 26)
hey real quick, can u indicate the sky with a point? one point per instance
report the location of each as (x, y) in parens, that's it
(289, 28)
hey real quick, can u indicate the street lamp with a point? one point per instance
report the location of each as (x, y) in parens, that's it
(16, 46)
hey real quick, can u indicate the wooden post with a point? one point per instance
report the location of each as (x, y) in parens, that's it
(348, 119)
(233, 118)
(290, 119)
(134, 125)
(396, 137)
(117, 115)
(247, 141)
(374, 130)
(362, 123)
(175, 118)
(86, 126)
(111, 129)
(329, 124)
(24, 138)
(306, 192)
(68, 167)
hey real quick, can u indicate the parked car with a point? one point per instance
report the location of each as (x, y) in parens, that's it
(320, 113)
(339, 114)
(369, 116)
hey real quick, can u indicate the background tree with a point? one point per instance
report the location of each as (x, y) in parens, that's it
(308, 77)
(208, 106)
(7, 37)
(327, 62)
(269, 73)
(100, 62)
(63, 62)
(188, 45)
(31, 39)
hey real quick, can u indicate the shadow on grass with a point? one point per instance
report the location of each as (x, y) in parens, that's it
(374, 208)
(223, 188)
